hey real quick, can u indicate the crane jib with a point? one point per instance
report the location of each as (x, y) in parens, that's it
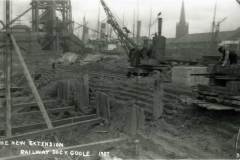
(125, 40)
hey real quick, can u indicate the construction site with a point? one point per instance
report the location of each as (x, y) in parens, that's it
(112, 93)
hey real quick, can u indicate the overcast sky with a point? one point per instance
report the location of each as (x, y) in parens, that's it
(199, 13)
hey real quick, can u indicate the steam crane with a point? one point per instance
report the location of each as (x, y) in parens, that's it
(133, 52)
(136, 55)
(125, 40)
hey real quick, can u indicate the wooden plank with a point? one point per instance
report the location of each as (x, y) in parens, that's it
(53, 110)
(31, 83)
(177, 89)
(18, 107)
(213, 106)
(32, 104)
(12, 88)
(146, 102)
(96, 143)
(132, 91)
(55, 129)
(28, 127)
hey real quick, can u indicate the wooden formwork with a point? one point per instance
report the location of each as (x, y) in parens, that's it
(43, 128)
(51, 127)
(149, 97)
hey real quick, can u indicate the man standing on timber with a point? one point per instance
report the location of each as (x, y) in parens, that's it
(228, 57)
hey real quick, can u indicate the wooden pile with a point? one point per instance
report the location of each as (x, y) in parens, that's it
(124, 90)
(74, 92)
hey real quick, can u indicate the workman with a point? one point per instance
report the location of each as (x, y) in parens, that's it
(228, 57)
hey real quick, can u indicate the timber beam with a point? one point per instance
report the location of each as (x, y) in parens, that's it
(24, 128)
(53, 129)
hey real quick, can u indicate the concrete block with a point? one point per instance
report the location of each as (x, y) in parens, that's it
(183, 75)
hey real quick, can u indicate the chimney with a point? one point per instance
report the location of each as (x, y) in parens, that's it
(103, 31)
(159, 26)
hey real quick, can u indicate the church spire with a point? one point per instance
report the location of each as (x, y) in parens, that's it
(183, 17)
(182, 26)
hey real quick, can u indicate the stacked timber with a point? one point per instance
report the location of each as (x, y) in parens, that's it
(225, 86)
(219, 95)
(142, 95)
(225, 70)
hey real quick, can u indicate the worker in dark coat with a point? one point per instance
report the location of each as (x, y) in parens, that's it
(135, 57)
(228, 57)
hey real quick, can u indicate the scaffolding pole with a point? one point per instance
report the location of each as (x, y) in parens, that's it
(8, 69)
(31, 84)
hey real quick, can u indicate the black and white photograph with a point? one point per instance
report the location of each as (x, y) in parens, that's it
(119, 79)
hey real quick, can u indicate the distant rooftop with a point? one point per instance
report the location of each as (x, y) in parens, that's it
(205, 37)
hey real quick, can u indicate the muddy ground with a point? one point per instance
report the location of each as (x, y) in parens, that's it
(183, 131)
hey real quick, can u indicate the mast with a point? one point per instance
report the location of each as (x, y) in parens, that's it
(134, 24)
(150, 24)
(213, 30)
(214, 17)
(98, 21)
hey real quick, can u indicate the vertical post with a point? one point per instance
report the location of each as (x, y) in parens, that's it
(33, 15)
(8, 72)
(64, 12)
(37, 16)
(103, 31)
(71, 26)
(139, 25)
(86, 89)
(158, 104)
(160, 42)
(150, 25)
(98, 96)
(53, 22)
(134, 24)
(98, 21)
